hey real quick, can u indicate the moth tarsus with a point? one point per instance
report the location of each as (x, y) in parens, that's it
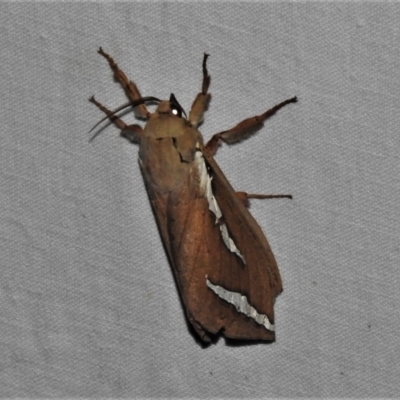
(224, 268)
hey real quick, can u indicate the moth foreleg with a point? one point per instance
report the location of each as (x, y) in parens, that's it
(202, 100)
(245, 128)
(129, 132)
(244, 197)
(130, 88)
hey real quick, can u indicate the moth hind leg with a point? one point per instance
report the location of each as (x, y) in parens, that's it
(130, 132)
(202, 100)
(244, 197)
(130, 88)
(245, 128)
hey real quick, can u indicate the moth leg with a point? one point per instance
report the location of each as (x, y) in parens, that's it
(130, 88)
(245, 128)
(132, 133)
(202, 100)
(244, 197)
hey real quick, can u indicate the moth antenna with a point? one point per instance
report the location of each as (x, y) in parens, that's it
(107, 116)
(131, 103)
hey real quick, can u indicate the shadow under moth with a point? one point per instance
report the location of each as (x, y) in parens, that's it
(224, 268)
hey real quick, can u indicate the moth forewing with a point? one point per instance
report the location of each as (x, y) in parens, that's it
(226, 273)
(257, 278)
(246, 232)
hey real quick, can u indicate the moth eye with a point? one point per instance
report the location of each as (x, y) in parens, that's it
(176, 108)
(176, 111)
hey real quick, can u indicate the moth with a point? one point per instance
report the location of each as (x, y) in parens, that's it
(224, 268)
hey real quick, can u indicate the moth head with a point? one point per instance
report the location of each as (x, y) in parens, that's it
(171, 106)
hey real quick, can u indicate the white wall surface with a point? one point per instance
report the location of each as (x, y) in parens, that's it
(88, 304)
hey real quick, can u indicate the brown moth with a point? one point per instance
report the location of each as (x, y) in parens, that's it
(226, 273)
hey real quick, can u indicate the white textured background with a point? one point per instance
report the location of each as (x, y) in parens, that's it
(88, 305)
